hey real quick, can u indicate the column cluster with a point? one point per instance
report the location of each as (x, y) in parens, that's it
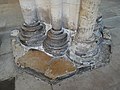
(85, 44)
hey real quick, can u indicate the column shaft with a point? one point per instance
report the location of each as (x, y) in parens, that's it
(56, 14)
(29, 12)
(87, 19)
(32, 31)
(84, 44)
(56, 42)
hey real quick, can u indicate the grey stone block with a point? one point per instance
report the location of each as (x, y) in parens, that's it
(6, 44)
(27, 82)
(7, 69)
(112, 22)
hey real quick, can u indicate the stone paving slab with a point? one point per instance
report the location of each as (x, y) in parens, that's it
(6, 44)
(7, 69)
(115, 32)
(27, 82)
(101, 79)
(109, 3)
(113, 22)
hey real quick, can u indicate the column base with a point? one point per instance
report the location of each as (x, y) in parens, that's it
(32, 35)
(56, 42)
(98, 54)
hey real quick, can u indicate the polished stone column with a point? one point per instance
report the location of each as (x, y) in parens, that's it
(56, 41)
(84, 44)
(32, 31)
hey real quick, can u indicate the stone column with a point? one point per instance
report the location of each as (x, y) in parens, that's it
(29, 12)
(32, 31)
(43, 8)
(56, 14)
(84, 44)
(56, 41)
(70, 14)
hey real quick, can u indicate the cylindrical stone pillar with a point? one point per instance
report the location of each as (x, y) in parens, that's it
(56, 41)
(56, 14)
(32, 31)
(84, 44)
(70, 14)
(29, 12)
(87, 19)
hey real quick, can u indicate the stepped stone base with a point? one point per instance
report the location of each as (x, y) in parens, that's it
(41, 65)
(35, 61)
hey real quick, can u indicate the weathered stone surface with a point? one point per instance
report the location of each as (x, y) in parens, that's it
(29, 12)
(42, 63)
(87, 19)
(90, 37)
(5, 44)
(36, 60)
(56, 42)
(32, 35)
(27, 82)
(60, 67)
(7, 69)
